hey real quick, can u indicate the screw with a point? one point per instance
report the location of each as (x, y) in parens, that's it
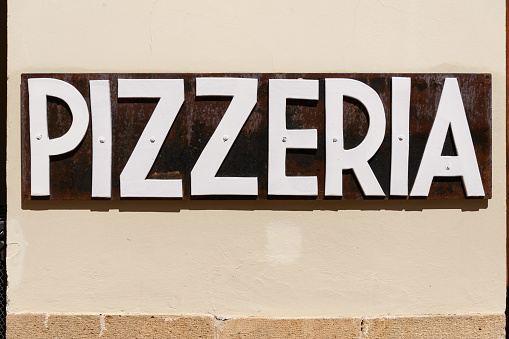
(284, 139)
(101, 140)
(225, 138)
(448, 167)
(39, 136)
(400, 138)
(335, 139)
(153, 139)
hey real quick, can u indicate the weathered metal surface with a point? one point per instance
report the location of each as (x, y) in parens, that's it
(70, 174)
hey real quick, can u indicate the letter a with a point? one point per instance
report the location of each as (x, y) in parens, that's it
(451, 112)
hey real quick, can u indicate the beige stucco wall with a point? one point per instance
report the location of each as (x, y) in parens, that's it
(285, 259)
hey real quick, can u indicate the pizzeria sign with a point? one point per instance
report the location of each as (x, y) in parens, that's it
(256, 136)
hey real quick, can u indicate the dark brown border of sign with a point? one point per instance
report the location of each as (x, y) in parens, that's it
(71, 173)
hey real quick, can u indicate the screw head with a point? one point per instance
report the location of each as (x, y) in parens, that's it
(38, 136)
(225, 138)
(153, 139)
(284, 139)
(400, 138)
(448, 167)
(335, 139)
(101, 140)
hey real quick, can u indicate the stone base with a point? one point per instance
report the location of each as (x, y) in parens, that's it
(145, 326)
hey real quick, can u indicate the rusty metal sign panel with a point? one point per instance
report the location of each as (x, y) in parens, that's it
(256, 136)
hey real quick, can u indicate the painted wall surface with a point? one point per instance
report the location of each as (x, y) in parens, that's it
(257, 258)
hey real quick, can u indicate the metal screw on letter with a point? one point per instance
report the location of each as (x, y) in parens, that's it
(400, 138)
(225, 138)
(38, 136)
(152, 140)
(448, 167)
(335, 139)
(284, 139)
(101, 140)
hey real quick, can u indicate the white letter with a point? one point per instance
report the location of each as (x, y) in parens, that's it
(203, 174)
(400, 118)
(133, 179)
(450, 112)
(41, 147)
(337, 158)
(280, 138)
(101, 138)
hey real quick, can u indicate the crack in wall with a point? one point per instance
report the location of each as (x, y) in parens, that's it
(150, 24)
(103, 325)
(218, 322)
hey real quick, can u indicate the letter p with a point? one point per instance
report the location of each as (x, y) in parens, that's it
(41, 146)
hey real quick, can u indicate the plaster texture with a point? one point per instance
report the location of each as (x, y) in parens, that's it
(256, 258)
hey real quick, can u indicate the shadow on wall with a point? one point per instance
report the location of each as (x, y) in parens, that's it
(3, 101)
(507, 309)
(252, 205)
